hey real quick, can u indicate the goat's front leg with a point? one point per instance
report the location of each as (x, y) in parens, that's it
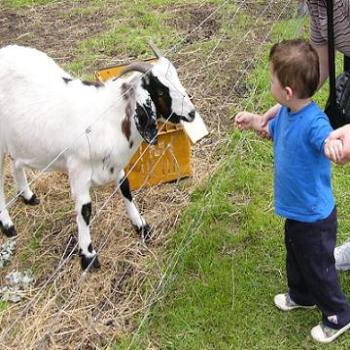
(142, 228)
(80, 186)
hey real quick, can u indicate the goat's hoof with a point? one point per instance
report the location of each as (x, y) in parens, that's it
(145, 232)
(34, 200)
(90, 263)
(8, 231)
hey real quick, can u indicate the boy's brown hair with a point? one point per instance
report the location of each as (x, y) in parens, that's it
(295, 63)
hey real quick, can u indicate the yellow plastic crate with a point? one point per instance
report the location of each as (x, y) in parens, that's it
(167, 161)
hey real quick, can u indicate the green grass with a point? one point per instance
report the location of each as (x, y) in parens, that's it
(232, 256)
(127, 36)
(33, 245)
(3, 305)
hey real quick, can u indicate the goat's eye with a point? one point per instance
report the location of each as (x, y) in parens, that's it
(161, 93)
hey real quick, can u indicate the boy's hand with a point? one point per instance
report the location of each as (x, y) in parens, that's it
(243, 120)
(246, 120)
(333, 150)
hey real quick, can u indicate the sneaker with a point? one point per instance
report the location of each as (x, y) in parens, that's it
(325, 334)
(285, 303)
(342, 257)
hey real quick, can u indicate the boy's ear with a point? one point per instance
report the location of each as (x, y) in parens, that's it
(289, 92)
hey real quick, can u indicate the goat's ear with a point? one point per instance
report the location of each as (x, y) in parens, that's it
(146, 121)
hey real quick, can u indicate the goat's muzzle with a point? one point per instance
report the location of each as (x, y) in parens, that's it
(190, 116)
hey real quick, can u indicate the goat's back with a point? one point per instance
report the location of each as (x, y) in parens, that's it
(28, 63)
(43, 110)
(40, 114)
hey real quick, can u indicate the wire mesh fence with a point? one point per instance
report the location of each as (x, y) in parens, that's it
(70, 309)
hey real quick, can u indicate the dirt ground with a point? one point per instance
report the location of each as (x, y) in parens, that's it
(55, 29)
(68, 310)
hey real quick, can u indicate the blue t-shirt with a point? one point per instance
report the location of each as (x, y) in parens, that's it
(302, 179)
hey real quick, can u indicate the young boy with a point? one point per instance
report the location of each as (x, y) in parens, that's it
(302, 186)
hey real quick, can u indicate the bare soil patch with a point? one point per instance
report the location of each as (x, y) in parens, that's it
(56, 28)
(277, 8)
(194, 21)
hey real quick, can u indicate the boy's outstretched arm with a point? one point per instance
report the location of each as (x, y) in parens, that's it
(246, 120)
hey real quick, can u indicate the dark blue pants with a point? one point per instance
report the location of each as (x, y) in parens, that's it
(311, 274)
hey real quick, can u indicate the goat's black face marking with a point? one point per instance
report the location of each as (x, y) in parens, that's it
(146, 122)
(111, 170)
(161, 98)
(86, 212)
(66, 80)
(92, 83)
(125, 188)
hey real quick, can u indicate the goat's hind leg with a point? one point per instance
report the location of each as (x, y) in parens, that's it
(6, 225)
(139, 223)
(25, 192)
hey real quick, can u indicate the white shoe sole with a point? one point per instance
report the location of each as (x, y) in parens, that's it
(280, 302)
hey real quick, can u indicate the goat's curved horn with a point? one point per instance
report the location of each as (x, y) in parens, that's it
(142, 67)
(155, 49)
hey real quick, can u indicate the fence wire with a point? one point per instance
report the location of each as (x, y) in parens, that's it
(167, 276)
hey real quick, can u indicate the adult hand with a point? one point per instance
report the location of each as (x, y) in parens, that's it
(342, 134)
(333, 150)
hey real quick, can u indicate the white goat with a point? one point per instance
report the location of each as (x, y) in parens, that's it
(43, 111)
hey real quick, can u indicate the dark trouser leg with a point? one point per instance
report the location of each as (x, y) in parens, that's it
(313, 248)
(298, 289)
